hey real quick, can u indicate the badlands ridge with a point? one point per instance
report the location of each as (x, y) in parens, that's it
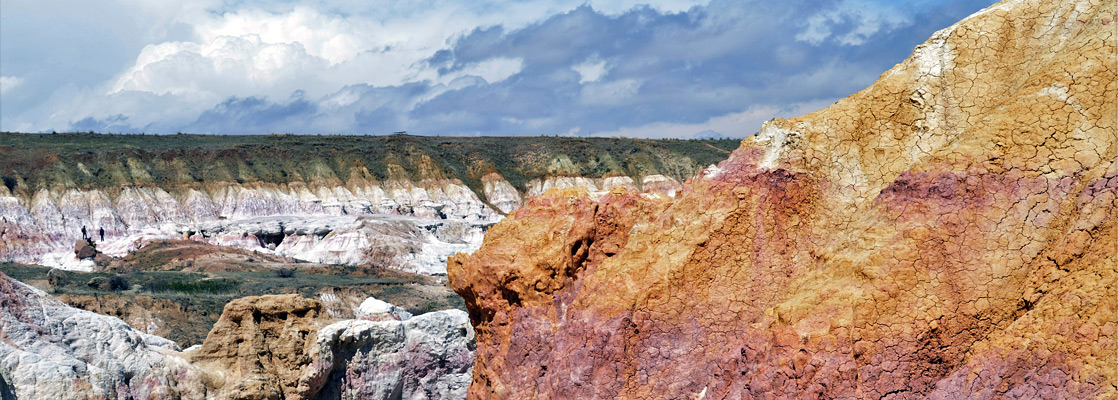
(948, 232)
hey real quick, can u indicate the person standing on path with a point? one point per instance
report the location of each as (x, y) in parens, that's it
(84, 236)
(102, 234)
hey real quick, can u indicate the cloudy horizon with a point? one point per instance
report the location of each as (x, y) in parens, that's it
(652, 68)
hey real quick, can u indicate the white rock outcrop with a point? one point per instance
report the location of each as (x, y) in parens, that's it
(413, 244)
(430, 356)
(39, 227)
(51, 217)
(501, 193)
(373, 309)
(49, 350)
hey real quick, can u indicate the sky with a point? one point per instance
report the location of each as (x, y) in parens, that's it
(651, 68)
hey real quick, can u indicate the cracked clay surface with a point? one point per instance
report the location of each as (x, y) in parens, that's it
(948, 232)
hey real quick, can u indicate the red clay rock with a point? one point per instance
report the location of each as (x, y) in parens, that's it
(949, 232)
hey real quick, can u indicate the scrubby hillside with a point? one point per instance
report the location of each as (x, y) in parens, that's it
(101, 161)
(137, 187)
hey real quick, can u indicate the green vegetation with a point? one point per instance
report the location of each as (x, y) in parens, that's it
(34, 161)
(227, 285)
(202, 297)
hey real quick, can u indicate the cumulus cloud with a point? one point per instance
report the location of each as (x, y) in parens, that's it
(852, 22)
(590, 70)
(9, 82)
(497, 67)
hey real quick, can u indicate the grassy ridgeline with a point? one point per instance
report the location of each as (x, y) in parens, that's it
(88, 160)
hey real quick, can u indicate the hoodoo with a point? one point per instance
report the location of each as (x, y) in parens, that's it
(948, 232)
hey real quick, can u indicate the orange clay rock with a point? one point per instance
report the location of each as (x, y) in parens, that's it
(949, 232)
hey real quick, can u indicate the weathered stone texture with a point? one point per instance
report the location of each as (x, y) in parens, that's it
(49, 350)
(948, 232)
(264, 347)
(430, 356)
(260, 346)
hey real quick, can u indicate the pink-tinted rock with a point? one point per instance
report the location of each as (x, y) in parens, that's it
(949, 232)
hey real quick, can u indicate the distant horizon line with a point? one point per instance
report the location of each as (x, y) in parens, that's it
(404, 133)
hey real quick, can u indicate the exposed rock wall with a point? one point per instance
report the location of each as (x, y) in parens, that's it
(501, 193)
(55, 216)
(137, 186)
(260, 346)
(49, 350)
(36, 228)
(412, 244)
(948, 232)
(430, 356)
(266, 347)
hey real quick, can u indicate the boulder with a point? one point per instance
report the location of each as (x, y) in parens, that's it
(57, 278)
(373, 309)
(84, 250)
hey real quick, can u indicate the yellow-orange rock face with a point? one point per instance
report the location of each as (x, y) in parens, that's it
(949, 232)
(260, 346)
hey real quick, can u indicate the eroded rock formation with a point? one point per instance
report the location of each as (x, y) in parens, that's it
(266, 347)
(49, 350)
(430, 356)
(260, 345)
(948, 232)
(185, 188)
(161, 317)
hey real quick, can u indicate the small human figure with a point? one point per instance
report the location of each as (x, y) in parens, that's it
(102, 234)
(84, 236)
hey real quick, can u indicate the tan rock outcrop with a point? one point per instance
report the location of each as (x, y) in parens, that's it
(948, 232)
(266, 347)
(260, 345)
(161, 317)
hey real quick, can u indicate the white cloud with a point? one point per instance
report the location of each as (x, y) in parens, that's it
(868, 19)
(610, 93)
(255, 52)
(590, 70)
(226, 66)
(492, 70)
(250, 53)
(9, 82)
(332, 38)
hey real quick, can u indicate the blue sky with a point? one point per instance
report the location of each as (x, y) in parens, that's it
(653, 68)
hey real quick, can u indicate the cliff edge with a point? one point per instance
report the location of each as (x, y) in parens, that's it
(948, 232)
